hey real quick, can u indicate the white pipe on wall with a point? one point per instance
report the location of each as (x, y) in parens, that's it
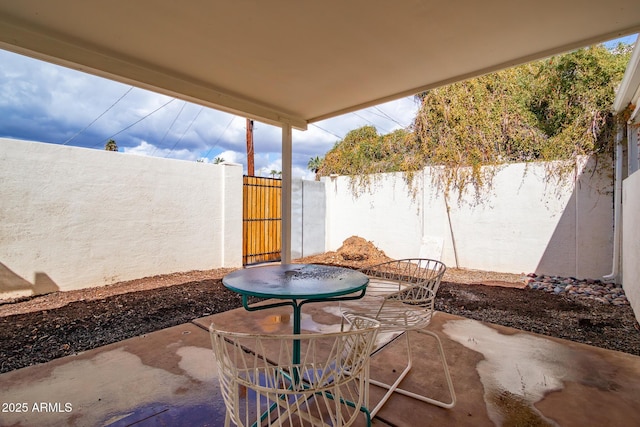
(617, 208)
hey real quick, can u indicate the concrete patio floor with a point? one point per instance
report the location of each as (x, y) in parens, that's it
(502, 376)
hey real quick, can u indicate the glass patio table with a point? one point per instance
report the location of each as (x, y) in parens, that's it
(296, 284)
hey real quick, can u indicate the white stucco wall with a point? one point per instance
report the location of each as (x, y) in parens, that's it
(532, 225)
(73, 217)
(524, 224)
(308, 218)
(384, 215)
(631, 240)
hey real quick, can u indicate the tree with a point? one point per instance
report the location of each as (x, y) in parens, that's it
(111, 145)
(218, 160)
(483, 121)
(275, 172)
(571, 99)
(553, 109)
(314, 165)
(363, 152)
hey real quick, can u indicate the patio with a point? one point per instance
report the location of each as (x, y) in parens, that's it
(502, 376)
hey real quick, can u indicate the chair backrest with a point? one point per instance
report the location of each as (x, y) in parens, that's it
(257, 374)
(411, 280)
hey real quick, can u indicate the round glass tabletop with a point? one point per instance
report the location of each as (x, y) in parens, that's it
(295, 281)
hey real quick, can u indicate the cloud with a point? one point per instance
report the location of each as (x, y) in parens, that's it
(231, 157)
(44, 102)
(146, 149)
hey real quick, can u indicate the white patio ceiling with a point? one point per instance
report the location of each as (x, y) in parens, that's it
(295, 62)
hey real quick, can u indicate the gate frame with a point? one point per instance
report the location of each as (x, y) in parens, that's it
(261, 220)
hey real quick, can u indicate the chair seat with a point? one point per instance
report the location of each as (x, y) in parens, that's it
(392, 315)
(378, 287)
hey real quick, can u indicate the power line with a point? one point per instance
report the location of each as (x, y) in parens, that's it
(220, 136)
(97, 118)
(185, 131)
(327, 131)
(169, 128)
(138, 121)
(390, 118)
(364, 118)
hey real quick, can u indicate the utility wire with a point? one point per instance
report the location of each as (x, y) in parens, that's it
(327, 131)
(220, 136)
(97, 118)
(365, 119)
(389, 117)
(138, 121)
(185, 131)
(169, 128)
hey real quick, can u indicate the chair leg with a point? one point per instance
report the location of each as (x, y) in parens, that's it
(394, 387)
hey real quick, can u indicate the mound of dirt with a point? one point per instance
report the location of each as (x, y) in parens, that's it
(354, 252)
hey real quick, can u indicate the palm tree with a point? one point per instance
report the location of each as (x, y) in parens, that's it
(218, 160)
(274, 173)
(315, 163)
(111, 145)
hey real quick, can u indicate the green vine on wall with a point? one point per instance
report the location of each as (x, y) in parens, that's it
(551, 110)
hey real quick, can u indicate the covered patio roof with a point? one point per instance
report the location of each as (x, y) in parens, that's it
(290, 62)
(287, 61)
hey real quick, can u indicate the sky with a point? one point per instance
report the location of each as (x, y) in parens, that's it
(44, 102)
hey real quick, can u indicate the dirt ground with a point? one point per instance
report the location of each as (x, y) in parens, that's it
(42, 328)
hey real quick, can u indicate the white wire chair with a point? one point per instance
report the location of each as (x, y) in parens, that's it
(262, 385)
(401, 296)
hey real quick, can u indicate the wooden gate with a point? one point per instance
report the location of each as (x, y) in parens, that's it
(262, 220)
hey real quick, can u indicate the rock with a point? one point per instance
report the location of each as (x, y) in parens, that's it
(606, 293)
